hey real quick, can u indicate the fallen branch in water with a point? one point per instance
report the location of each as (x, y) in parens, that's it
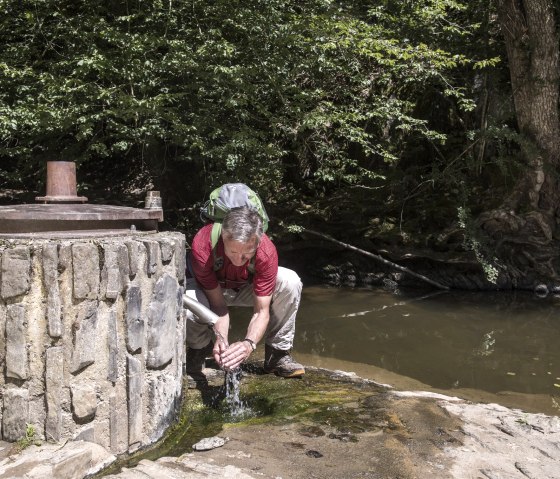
(385, 307)
(376, 257)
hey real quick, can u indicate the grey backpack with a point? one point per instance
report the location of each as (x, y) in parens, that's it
(223, 199)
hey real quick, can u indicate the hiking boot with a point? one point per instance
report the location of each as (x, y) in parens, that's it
(196, 358)
(281, 363)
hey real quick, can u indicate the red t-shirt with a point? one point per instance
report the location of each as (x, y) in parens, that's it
(231, 276)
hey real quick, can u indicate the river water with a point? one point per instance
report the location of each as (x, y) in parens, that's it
(490, 347)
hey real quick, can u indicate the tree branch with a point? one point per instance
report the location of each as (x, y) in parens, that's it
(377, 258)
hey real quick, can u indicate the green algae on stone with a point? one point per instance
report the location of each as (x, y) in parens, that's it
(324, 404)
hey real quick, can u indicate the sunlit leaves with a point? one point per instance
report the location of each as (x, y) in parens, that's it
(253, 90)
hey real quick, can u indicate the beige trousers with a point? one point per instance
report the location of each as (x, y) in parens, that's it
(283, 310)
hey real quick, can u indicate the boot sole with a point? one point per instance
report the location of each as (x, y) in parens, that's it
(290, 374)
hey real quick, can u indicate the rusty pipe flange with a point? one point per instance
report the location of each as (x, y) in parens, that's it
(39, 218)
(61, 183)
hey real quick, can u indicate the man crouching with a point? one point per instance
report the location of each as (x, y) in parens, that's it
(242, 270)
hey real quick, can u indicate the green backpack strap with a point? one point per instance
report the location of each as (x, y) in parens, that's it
(218, 260)
(215, 235)
(214, 238)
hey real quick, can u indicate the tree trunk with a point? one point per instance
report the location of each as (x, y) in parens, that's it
(531, 40)
(523, 228)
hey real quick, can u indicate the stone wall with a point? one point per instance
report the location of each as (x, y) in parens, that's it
(92, 337)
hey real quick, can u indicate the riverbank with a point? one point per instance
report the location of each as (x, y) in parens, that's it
(532, 403)
(375, 431)
(339, 425)
(400, 266)
(332, 424)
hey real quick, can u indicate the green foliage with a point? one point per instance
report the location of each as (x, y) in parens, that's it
(222, 80)
(322, 100)
(294, 228)
(490, 267)
(29, 438)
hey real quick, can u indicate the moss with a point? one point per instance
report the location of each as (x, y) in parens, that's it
(322, 404)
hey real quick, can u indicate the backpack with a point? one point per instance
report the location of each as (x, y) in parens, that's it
(223, 199)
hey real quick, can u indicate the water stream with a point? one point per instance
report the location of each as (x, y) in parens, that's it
(492, 347)
(236, 407)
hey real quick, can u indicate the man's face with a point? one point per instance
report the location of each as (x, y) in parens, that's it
(239, 253)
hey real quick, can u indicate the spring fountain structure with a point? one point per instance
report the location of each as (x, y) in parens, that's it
(92, 329)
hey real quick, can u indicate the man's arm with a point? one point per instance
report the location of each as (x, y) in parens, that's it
(218, 305)
(241, 350)
(259, 321)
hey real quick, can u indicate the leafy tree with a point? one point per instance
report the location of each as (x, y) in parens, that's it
(296, 98)
(340, 111)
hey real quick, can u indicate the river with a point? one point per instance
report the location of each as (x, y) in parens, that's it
(490, 347)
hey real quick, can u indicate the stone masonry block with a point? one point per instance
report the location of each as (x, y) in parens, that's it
(111, 275)
(153, 257)
(54, 382)
(84, 401)
(113, 422)
(15, 414)
(17, 364)
(85, 262)
(134, 320)
(180, 259)
(162, 322)
(133, 248)
(134, 396)
(124, 263)
(167, 250)
(112, 347)
(50, 281)
(118, 421)
(2, 342)
(180, 293)
(180, 349)
(160, 397)
(16, 272)
(85, 336)
(64, 257)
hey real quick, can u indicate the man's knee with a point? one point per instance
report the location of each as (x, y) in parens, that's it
(193, 291)
(288, 280)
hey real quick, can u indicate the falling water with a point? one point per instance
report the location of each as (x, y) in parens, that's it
(232, 385)
(236, 406)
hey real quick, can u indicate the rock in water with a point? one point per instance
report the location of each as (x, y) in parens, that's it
(209, 443)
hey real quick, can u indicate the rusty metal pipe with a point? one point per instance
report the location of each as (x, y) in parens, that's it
(61, 183)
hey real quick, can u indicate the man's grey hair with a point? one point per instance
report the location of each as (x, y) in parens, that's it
(242, 224)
